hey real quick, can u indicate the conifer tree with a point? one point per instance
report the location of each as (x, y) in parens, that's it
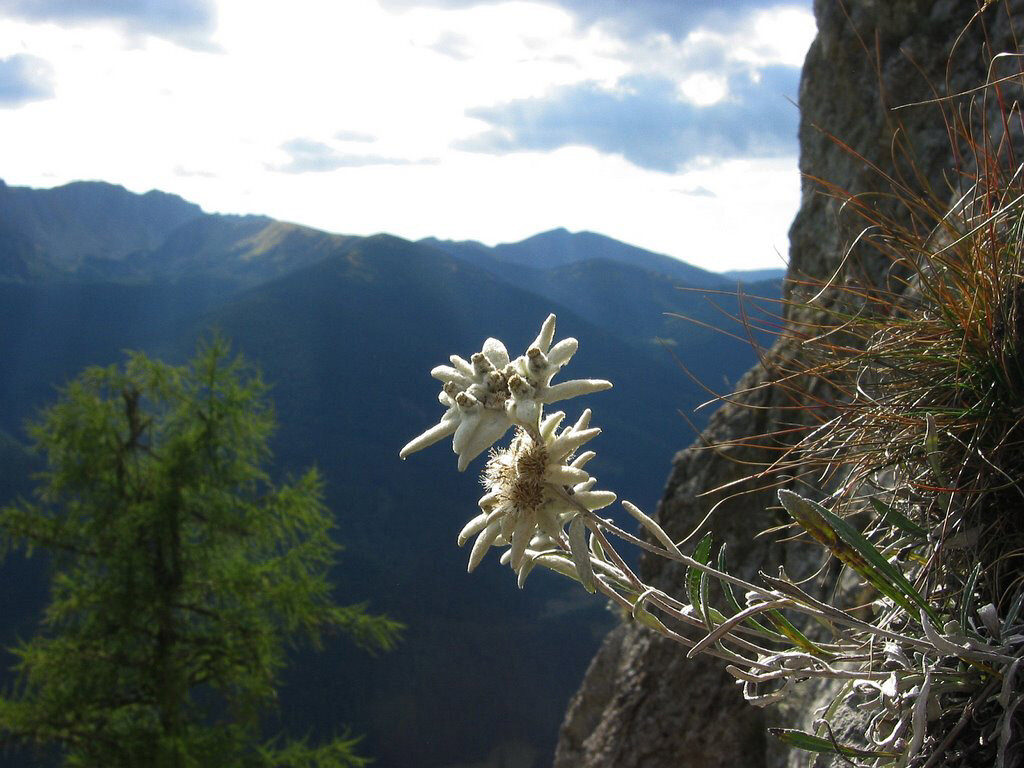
(180, 573)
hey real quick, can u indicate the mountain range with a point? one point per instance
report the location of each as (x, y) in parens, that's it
(346, 329)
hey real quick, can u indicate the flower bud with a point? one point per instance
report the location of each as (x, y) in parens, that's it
(481, 365)
(466, 401)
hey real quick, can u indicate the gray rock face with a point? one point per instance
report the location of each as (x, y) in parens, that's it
(642, 704)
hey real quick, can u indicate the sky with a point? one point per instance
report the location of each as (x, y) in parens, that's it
(668, 124)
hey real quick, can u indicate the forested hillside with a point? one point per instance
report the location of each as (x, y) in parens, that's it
(344, 329)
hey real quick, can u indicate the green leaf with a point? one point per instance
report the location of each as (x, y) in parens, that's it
(854, 550)
(811, 743)
(702, 554)
(705, 610)
(795, 636)
(648, 619)
(734, 604)
(890, 574)
(897, 519)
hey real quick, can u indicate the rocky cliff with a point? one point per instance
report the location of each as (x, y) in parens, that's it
(873, 63)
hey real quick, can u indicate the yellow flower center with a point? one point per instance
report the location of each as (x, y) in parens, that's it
(516, 473)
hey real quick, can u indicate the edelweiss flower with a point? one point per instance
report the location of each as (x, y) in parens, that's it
(537, 367)
(475, 393)
(531, 489)
(489, 393)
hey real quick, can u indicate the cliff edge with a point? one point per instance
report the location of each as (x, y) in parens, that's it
(873, 63)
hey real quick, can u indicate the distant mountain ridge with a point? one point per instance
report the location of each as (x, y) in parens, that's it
(95, 230)
(561, 248)
(756, 275)
(89, 219)
(346, 330)
(101, 233)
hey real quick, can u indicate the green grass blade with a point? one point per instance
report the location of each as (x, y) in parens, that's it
(811, 743)
(1014, 612)
(968, 595)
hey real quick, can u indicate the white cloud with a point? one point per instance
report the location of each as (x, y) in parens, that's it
(704, 88)
(780, 35)
(374, 85)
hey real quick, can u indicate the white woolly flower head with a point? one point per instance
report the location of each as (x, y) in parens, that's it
(533, 489)
(489, 393)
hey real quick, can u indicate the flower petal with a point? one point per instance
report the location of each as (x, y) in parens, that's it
(547, 333)
(447, 373)
(467, 426)
(585, 486)
(570, 440)
(462, 365)
(582, 459)
(488, 500)
(472, 528)
(491, 426)
(482, 544)
(573, 388)
(521, 536)
(584, 420)
(495, 351)
(529, 561)
(594, 500)
(562, 352)
(550, 424)
(431, 436)
(547, 521)
(559, 474)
